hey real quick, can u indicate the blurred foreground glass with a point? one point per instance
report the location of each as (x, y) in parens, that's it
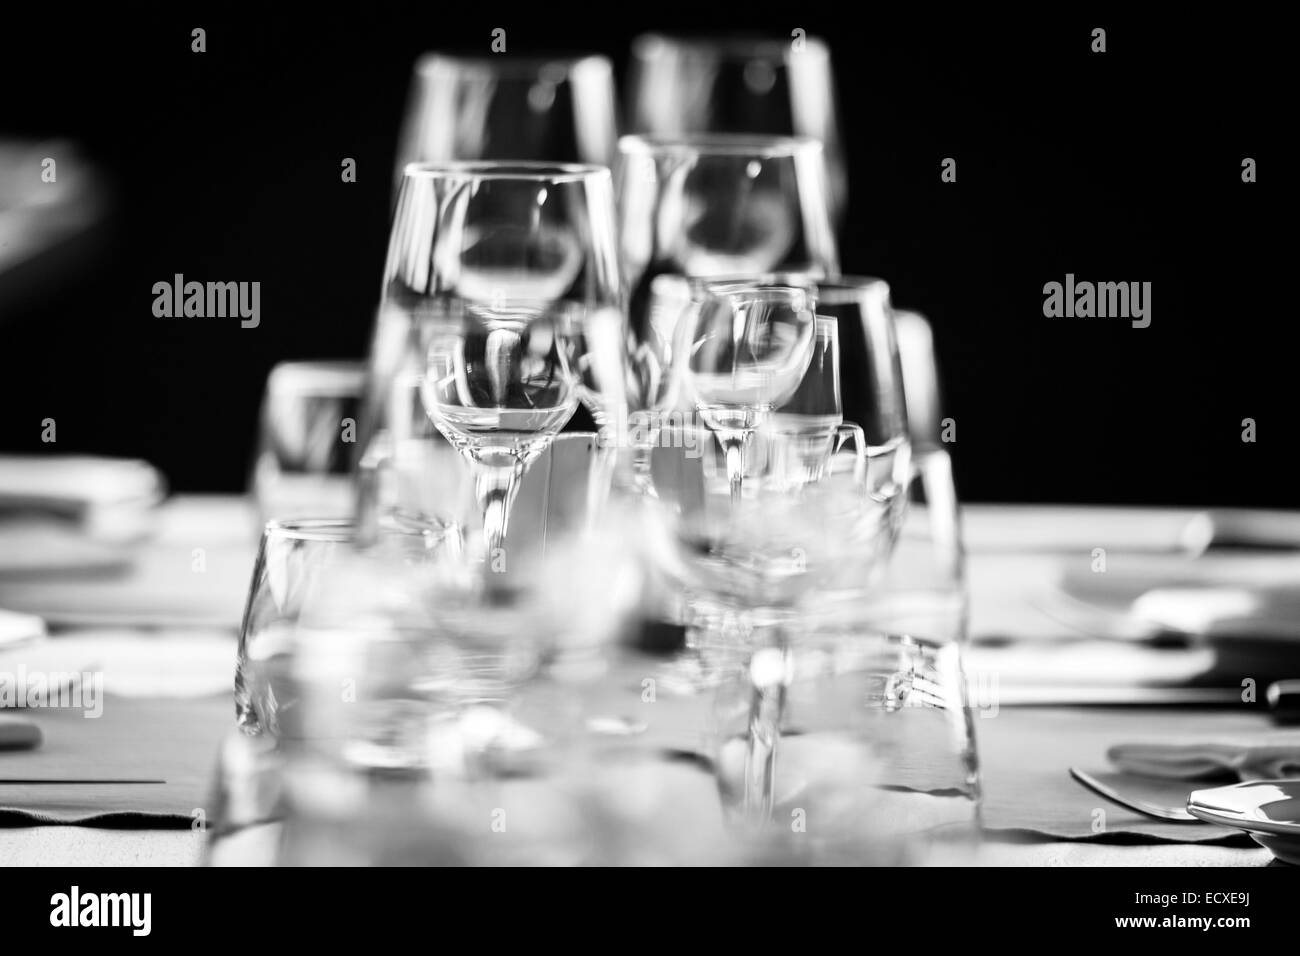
(245, 802)
(920, 379)
(293, 557)
(681, 85)
(467, 739)
(876, 744)
(506, 107)
(761, 555)
(501, 289)
(749, 569)
(306, 440)
(296, 561)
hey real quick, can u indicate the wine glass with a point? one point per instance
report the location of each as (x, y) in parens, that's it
(871, 376)
(499, 392)
(739, 85)
(550, 109)
(303, 455)
(501, 268)
(748, 350)
(472, 701)
(809, 419)
(749, 567)
(694, 208)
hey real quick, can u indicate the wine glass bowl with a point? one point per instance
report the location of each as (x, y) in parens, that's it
(499, 389)
(750, 348)
(504, 240)
(747, 350)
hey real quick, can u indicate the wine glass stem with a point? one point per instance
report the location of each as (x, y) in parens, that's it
(643, 462)
(600, 478)
(495, 486)
(734, 442)
(766, 710)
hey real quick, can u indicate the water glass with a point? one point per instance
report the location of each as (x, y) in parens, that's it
(307, 440)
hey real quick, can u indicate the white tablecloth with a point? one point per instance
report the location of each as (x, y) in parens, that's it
(1014, 551)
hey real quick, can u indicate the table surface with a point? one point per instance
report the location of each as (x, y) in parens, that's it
(1005, 545)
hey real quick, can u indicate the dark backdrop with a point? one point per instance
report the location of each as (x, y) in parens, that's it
(1119, 166)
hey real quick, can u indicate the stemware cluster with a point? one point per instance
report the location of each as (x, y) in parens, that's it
(691, 302)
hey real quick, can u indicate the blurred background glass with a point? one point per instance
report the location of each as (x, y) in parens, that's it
(920, 377)
(698, 208)
(871, 373)
(552, 109)
(307, 435)
(875, 760)
(737, 84)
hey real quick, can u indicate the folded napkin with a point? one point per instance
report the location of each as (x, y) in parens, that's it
(193, 582)
(143, 707)
(35, 546)
(1276, 756)
(1025, 759)
(164, 749)
(19, 628)
(1251, 593)
(124, 663)
(73, 514)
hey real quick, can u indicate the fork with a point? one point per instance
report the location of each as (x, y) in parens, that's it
(1170, 814)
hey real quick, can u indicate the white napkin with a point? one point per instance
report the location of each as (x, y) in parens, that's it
(107, 499)
(1271, 756)
(18, 628)
(186, 663)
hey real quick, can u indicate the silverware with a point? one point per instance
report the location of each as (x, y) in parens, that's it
(20, 781)
(1170, 814)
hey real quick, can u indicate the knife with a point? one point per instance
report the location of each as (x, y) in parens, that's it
(18, 781)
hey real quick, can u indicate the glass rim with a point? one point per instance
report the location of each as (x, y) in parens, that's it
(311, 529)
(518, 170)
(795, 279)
(511, 66)
(755, 145)
(845, 290)
(734, 287)
(654, 43)
(792, 279)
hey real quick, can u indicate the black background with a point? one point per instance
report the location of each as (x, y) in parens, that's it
(1122, 166)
